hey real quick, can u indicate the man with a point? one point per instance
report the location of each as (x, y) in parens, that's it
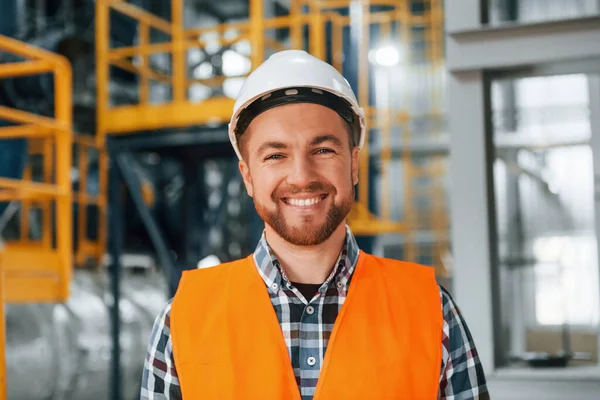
(308, 315)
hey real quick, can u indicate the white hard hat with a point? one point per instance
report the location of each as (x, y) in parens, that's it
(294, 76)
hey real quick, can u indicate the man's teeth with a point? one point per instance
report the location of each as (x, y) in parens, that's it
(304, 202)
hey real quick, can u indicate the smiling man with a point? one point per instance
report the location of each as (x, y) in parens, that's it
(308, 314)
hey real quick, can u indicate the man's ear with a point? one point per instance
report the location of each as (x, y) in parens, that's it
(245, 171)
(355, 166)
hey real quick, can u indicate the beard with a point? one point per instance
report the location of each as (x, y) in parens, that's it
(306, 234)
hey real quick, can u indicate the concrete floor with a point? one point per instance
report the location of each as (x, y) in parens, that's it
(552, 384)
(549, 390)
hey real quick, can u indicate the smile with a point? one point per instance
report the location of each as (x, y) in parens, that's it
(304, 202)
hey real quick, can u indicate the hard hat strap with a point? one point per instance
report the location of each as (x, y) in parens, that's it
(295, 95)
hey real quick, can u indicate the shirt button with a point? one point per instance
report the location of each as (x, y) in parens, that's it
(340, 284)
(275, 286)
(310, 310)
(311, 361)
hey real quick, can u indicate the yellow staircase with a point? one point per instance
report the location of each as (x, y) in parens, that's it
(38, 271)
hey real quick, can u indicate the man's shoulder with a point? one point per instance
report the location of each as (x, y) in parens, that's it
(213, 270)
(402, 272)
(399, 265)
(209, 280)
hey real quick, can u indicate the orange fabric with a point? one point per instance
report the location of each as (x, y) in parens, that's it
(386, 342)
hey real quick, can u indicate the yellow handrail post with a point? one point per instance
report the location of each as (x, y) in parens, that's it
(102, 68)
(296, 28)
(48, 164)
(82, 162)
(86, 249)
(439, 219)
(257, 39)
(363, 98)
(337, 45)
(386, 132)
(406, 33)
(25, 209)
(103, 165)
(145, 64)
(102, 77)
(63, 93)
(179, 52)
(317, 31)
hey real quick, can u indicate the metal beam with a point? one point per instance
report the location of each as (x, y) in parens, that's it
(194, 203)
(472, 209)
(514, 341)
(516, 45)
(566, 67)
(125, 165)
(135, 118)
(115, 237)
(170, 139)
(502, 143)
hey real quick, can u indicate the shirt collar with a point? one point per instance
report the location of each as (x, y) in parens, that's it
(269, 268)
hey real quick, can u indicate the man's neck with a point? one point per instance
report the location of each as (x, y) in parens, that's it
(307, 264)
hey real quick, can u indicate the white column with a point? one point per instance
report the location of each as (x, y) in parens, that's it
(462, 14)
(594, 93)
(591, 7)
(470, 211)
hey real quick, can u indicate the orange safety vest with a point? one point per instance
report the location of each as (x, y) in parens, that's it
(386, 342)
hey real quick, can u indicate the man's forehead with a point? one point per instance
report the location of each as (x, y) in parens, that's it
(297, 120)
(305, 137)
(299, 113)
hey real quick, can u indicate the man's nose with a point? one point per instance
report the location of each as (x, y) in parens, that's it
(303, 172)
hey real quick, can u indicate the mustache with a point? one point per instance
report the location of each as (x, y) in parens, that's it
(313, 187)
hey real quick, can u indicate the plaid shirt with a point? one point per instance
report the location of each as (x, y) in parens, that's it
(307, 325)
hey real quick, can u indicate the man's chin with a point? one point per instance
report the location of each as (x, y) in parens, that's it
(303, 238)
(301, 222)
(306, 234)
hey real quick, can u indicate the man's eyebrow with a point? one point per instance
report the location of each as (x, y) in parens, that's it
(271, 145)
(326, 138)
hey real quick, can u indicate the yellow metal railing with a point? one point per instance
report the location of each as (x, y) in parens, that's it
(375, 21)
(38, 271)
(89, 250)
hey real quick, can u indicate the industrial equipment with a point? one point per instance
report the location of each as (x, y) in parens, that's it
(62, 350)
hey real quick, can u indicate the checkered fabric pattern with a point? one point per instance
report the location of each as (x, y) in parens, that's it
(307, 325)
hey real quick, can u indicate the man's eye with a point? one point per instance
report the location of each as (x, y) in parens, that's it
(324, 151)
(274, 157)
